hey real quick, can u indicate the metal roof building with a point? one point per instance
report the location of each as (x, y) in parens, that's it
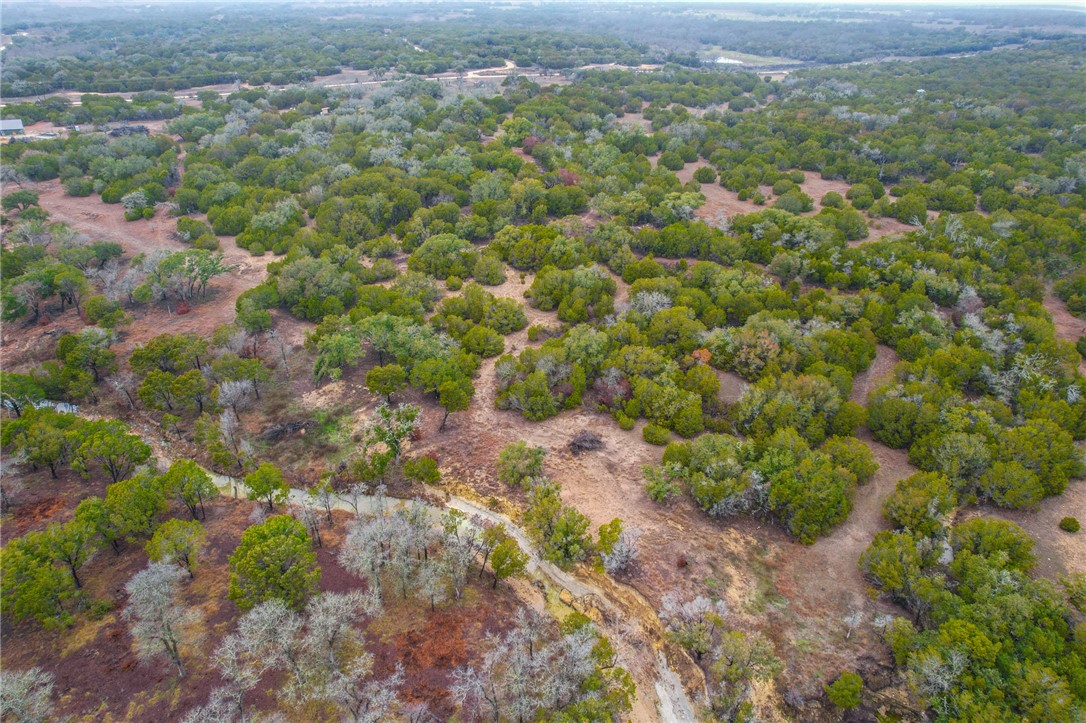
(11, 127)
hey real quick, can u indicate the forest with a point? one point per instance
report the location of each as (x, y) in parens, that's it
(572, 391)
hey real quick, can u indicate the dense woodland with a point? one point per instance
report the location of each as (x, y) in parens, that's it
(391, 221)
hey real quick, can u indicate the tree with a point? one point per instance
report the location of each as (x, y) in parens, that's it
(72, 544)
(18, 391)
(266, 483)
(455, 396)
(558, 530)
(741, 659)
(507, 560)
(179, 542)
(274, 560)
(187, 482)
(108, 445)
(20, 200)
(158, 623)
(846, 691)
(386, 380)
(422, 469)
(26, 696)
(134, 506)
(45, 444)
(519, 463)
(31, 585)
(169, 353)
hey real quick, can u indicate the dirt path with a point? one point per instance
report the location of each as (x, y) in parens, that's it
(660, 696)
(822, 583)
(1068, 326)
(867, 380)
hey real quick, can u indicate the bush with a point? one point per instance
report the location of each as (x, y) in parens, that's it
(833, 199)
(483, 341)
(845, 692)
(1069, 524)
(79, 187)
(422, 469)
(625, 423)
(518, 463)
(659, 486)
(454, 283)
(705, 174)
(655, 434)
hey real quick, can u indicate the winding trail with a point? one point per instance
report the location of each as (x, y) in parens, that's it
(619, 610)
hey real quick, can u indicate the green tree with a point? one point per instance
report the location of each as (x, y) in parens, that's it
(31, 585)
(386, 380)
(187, 482)
(108, 445)
(135, 505)
(274, 561)
(70, 544)
(266, 483)
(179, 542)
(20, 200)
(507, 560)
(560, 531)
(455, 396)
(18, 391)
(422, 469)
(44, 444)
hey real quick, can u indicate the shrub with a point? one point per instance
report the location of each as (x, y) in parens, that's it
(454, 283)
(845, 692)
(79, 187)
(422, 469)
(518, 463)
(655, 434)
(625, 423)
(659, 485)
(833, 199)
(1069, 524)
(705, 174)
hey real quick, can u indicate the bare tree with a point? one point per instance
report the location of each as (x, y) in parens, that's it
(124, 383)
(240, 669)
(236, 393)
(624, 553)
(364, 699)
(26, 696)
(330, 623)
(852, 620)
(270, 632)
(281, 344)
(433, 581)
(353, 495)
(157, 620)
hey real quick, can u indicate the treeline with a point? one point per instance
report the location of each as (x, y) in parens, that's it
(177, 50)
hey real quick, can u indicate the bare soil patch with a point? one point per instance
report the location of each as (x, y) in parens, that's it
(1058, 552)
(100, 221)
